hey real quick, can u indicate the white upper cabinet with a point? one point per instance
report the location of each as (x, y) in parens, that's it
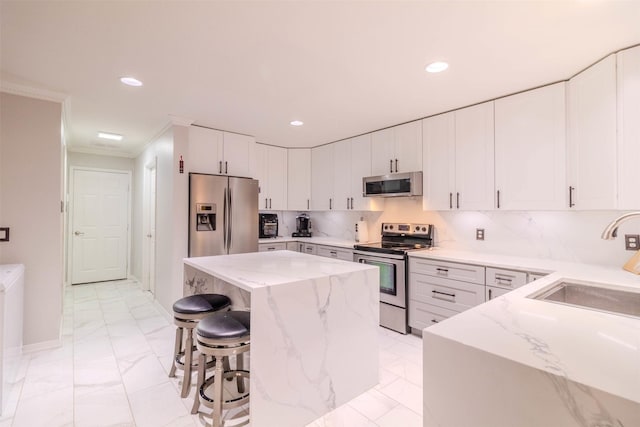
(270, 169)
(221, 153)
(592, 161)
(360, 168)
(439, 161)
(397, 149)
(299, 179)
(530, 150)
(205, 150)
(341, 194)
(474, 154)
(629, 129)
(322, 177)
(458, 159)
(236, 153)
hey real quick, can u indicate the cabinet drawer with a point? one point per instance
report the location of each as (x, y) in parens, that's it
(309, 248)
(422, 315)
(492, 292)
(448, 270)
(445, 293)
(332, 252)
(265, 247)
(507, 279)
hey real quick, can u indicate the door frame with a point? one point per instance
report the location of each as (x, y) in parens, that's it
(71, 205)
(146, 194)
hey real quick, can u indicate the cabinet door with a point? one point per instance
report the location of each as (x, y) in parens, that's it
(277, 177)
(205, 150)
(408, 147)
(382, 152)
(292, 246)
(299, 179)
(322, 177)
(474, 158)
(341, 194)
(361, 167)
(438, 159)
(592, 136)
(259, 172)
(530, 146)
(236, 154)
(629, 128)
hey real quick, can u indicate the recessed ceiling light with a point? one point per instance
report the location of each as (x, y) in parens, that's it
(112, 136)
(130, 81)
(296, 123)
(437, 67)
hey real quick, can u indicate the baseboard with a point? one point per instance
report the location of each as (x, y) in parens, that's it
(44, 345)
(163, 311)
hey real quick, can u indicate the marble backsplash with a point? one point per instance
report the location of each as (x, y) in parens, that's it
(559, 235)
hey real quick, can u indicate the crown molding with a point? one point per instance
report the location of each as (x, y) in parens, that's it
(32, 92)
(99, 151)
(180, 121)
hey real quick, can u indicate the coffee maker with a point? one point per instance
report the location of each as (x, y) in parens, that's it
(303, 226)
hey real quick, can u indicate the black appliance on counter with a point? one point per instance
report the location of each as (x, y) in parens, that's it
(267, 225)
(303, 226)
(390, 255)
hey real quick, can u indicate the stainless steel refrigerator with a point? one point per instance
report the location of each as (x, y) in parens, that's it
(223, 215)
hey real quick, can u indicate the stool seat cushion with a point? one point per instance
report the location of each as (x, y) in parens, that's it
(202, 303)
(228, 324)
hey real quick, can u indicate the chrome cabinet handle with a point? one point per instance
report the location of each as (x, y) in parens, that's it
(457, 200)
(490, 294)
(307, 204)
(450, 200)
(79, 233)
(434, 321)
(396, 165)
(390, 165)
(220, 166)
(498, 199)
(442, 271)
(503, 281)
(330, 204)
(269, 202)
(347, 203)
(266, 203)
(225, 168)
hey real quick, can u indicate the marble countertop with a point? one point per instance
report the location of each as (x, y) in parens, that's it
(598, 349)
(328, 241)
(8, 275)
(261, 269)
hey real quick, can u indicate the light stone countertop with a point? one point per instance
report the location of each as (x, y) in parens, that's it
(598, 349)
(328, 241)
(261, 269)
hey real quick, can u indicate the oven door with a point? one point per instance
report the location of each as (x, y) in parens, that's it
(392, 276)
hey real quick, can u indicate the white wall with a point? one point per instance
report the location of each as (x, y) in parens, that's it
(30, 196)
(171, 214)
(570, 236)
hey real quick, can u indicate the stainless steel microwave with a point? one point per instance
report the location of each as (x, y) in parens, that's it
(393, 185)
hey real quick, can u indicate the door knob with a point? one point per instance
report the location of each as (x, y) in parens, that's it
(79, 233)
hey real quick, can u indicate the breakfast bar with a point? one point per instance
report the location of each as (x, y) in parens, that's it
(313, 320)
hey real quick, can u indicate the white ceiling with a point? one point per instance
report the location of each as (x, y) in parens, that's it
(343, 67)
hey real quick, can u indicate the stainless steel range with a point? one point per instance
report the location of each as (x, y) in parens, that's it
(390, 255)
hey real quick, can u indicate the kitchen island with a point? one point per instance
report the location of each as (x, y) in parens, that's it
(521, 361)
(314, 328)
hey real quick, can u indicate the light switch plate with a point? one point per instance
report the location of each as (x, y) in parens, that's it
(479, 233)
(632, 242)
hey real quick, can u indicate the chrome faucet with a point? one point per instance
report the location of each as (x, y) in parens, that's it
(611, 231)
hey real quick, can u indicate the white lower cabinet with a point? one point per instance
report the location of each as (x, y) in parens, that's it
(492, 292)
(308, 248)
(266, 247)
(439, 289)
(292, 246)
(334, 252)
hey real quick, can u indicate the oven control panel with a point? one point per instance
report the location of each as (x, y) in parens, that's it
(406, 229)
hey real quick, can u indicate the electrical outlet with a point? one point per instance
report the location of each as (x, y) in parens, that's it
(632, 242)
(479, 233)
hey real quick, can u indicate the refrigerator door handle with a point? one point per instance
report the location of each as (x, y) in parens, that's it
(229, 222)
(224, 221)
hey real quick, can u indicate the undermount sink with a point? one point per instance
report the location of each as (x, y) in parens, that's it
(592, 296)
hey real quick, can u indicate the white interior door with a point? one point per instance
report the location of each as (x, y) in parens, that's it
(149, 246)
(99, 228)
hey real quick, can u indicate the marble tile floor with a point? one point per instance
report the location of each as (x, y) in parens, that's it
(112, 371)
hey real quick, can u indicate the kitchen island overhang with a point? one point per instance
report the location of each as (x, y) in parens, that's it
(314, 321)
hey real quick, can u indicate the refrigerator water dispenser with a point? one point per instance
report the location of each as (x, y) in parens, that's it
(205, 216)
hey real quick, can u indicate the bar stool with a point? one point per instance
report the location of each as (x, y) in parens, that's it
(222, 335)
(187, 312)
